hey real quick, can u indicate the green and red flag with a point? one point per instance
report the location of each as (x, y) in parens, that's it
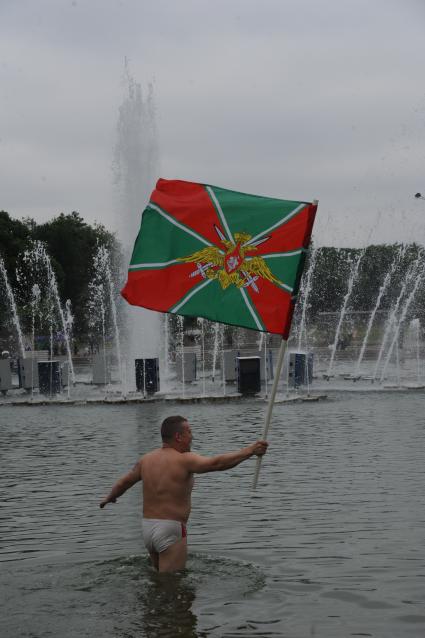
(205, 251)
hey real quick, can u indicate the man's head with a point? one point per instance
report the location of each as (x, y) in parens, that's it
(176, 433)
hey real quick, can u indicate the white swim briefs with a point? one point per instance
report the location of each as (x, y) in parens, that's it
(159, 534)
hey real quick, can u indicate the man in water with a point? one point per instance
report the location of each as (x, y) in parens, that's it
(167, 475)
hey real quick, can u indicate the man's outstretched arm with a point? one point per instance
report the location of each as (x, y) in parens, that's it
(201, 464)
(123, 484)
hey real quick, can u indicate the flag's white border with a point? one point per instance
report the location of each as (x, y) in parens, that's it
(190, 295)
(288, 254)
(281, 222)
(252, 311)
(221, 214)
(176, 223)
(163, 264)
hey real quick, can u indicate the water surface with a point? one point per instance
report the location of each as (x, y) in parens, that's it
(330, 544)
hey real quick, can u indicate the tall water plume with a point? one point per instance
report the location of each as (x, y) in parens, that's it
(305, 297)
(215, 348)
(40, 266)
(353, 276)
(391, 323)
(102, 305)
(382, 291)
(13, 309)
(135, 170)
(412, 343)
(418, 276)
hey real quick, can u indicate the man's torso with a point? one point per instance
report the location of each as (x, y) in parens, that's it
(167, 485)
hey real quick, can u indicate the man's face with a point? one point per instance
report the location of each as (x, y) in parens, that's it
(185, 437)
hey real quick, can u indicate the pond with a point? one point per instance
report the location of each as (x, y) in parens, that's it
(331, 543)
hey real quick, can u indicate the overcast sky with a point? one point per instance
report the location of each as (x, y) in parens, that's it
(289, 98)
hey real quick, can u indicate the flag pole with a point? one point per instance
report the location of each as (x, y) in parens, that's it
(276, 379)
(278, 371)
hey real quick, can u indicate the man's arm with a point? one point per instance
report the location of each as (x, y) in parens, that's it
(201, 464)
(123, 484)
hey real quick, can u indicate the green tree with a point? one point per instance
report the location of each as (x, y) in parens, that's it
(15, 237)
(71, 244)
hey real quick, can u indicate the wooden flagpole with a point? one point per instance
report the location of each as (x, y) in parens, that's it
(276, 379)
(271, 404)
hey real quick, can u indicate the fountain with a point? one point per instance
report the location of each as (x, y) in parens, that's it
(41, 267)
(301, 332)
(352, 278)
(419, 273)
(216, 347)
(201, 323)
(304, 296)
(208, 347)
(102, 306)
(411, 274)
(12, 304)
(135, 170)
(381, 293)
(180, 355)
(97, 325)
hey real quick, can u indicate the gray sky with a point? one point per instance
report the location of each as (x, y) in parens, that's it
(298, 99)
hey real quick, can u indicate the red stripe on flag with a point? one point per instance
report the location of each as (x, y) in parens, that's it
(191, 205)
(274, 305)
(293, 235)
(160, 289)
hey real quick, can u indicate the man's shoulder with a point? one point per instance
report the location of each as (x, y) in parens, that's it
(159, 454)
(154, 452)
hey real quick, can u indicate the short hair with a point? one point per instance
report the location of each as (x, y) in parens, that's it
(171, 425)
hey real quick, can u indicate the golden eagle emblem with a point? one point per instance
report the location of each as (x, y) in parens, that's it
(233, 265)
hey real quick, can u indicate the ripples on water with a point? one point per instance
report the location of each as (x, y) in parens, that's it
(330, 544)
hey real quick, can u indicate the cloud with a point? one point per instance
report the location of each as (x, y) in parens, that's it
(297, 99)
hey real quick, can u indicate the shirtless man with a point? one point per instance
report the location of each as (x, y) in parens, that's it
(167, 475)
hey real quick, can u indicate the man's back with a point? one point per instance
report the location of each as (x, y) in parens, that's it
(167, 485)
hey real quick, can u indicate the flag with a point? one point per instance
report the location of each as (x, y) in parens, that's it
(205, 251)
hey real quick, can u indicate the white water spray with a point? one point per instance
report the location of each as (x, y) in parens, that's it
(104, 291)
(37, 257)
(381, 293)
(35, 310)
(135, 171)
(202, 337)
(353, 276)
(180, 319)
(419, 275)
(305, 294)
(392, 318)
(11, 298)
(215, 348)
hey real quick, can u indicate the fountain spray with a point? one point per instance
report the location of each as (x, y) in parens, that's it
(353, 276)
(11, 298)
(392, 318)
(135, 170)
(103, 292)
(305, 294)
(382, 290)
(37, 257)
(419, 273)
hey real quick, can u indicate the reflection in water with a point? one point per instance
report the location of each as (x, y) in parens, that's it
(167, 602)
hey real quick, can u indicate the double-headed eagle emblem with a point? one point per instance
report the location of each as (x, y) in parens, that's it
(235, 264)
